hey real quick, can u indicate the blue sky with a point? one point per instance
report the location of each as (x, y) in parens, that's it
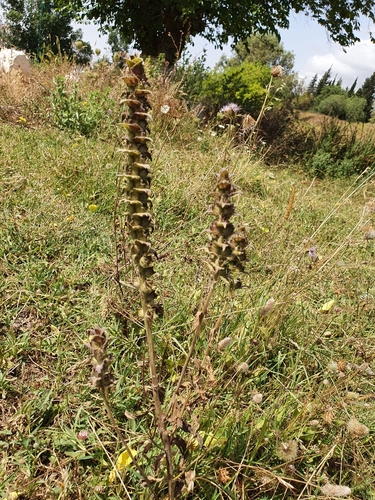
(314, 51)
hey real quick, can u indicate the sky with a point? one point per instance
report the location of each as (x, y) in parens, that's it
(314, 51)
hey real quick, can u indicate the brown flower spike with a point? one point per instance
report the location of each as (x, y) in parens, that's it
(227, 246)
(134, 177)
(101, 376)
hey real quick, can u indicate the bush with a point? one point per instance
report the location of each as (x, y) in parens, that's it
(245, 85)
(355, 109)
(339, 152)
(71, 112)
(333, 105)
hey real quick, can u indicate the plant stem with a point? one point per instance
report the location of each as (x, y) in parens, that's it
(122, 439)
(199, 318)
(155, 393)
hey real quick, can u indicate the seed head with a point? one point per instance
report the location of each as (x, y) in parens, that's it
(335, 490)
(356, 429)
(101, 376)
(268, 307)
(288, 450)
(277, 71)
(243, 367)
(258, 398)
(226, 342)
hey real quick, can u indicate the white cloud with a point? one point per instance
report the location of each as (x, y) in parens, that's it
(357, 61)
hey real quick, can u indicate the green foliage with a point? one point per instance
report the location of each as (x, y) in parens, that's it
(245, 85)
(333, 105)
(30, 24)
(355, 109)
(367, 91)
(166, 26)
(191, 75)
(339, 152)
(335, 101)
(116, 41)
(322, 83)
(266, 49)
(72, 113)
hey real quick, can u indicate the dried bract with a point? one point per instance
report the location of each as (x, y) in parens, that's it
(101, 376)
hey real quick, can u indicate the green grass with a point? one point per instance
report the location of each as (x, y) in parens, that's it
(58, 262)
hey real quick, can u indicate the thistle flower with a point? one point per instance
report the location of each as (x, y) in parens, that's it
(312, 253)
(82, 435)
(356, 429)
(230, 109)
(288, 450)
(101, 376)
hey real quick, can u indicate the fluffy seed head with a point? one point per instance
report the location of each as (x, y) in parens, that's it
(224, 343)
(356, 429)
(243, 368)
(288, 450)
(258, 398)
(335, 490)
(268, 307)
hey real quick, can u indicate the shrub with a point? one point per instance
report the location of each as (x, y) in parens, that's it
(71, 112)
(339, 152)
(333, 105)
(355, 109)
(244, 85)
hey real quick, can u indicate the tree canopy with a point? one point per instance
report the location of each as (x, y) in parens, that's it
(30, 25)
(166, 25)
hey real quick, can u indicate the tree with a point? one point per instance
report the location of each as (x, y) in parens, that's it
(30, 25)
(323, 82)
(266, 49)
(117, 42)
(367, 91)
(166, 26)
(311, 88)
(352, 88)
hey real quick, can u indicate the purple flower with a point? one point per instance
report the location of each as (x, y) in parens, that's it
(230, 109)
(312, 253)
(82, 435)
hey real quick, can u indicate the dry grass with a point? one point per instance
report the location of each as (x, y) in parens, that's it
(273, 408)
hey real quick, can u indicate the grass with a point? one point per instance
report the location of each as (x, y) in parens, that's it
(277, 429)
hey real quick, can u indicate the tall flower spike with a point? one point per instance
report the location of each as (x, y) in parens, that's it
(227, 246)
(101, 376)
(134, 177)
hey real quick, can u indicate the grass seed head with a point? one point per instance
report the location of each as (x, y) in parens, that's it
(356, 429)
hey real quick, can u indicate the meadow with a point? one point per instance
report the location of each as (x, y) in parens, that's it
(274, 367)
